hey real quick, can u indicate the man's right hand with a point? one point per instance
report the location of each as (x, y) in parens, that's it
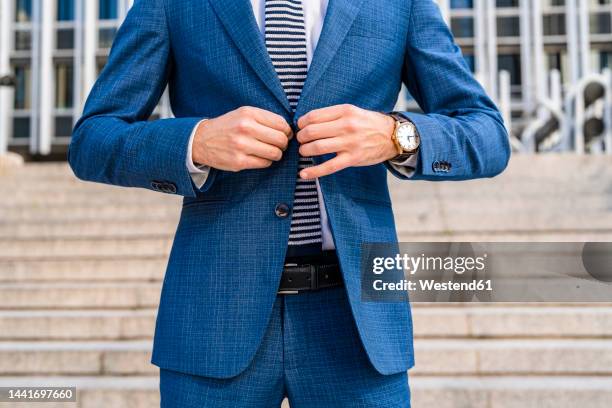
(246, 138)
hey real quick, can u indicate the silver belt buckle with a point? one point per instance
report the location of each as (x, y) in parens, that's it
(288, 292)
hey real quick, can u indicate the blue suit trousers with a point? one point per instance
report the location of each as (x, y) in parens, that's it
(311, 353)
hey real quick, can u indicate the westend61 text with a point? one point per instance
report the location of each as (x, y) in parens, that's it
(432, 285)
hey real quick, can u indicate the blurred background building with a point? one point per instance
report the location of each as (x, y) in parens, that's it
(531, 55)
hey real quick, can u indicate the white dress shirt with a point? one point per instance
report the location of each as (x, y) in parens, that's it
(314, 15)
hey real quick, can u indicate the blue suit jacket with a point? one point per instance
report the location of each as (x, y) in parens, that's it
(226, 261)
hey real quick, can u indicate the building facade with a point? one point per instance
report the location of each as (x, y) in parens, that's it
(53, 51)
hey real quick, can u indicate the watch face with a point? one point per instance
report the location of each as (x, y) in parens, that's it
(407, 137)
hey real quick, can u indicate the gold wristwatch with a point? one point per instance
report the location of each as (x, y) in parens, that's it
(405, 136)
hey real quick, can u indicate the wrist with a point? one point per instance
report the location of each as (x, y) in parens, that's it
(197, 152)
(390, 150)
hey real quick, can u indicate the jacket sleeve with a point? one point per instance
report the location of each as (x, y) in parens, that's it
(114, 142)
(462, 132)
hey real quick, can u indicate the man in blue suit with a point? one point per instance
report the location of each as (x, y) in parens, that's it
(281, 143)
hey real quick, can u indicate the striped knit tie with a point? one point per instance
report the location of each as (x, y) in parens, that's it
(286, 43)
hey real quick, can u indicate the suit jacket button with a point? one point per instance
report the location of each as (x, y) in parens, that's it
(436, 166)
(282, 210)
(171, 188)
(155, 185)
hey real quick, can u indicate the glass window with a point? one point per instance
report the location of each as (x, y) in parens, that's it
(512, 64)
(508, 27)
(554, 24)
(462, 27)
(64, 77)
(21, 128)
(605, 60)
(601, 23)
(108, 9)
(23, 10)
(507, 3)
(106, 37)
(65, 10)
(65, 39)
(462, 4)
(23, 40)
(63, 126)
(470, 61)
(22, 87)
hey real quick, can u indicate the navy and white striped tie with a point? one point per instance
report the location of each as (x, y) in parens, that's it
(285, 36)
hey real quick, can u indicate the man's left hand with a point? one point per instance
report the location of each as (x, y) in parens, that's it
(357, 136)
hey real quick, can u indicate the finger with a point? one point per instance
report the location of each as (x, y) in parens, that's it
(254, 162)
(263, 150)
(332, 166)
(318, 131)
(271, 136)
(323, 115)
(272, 120)
(323, 146)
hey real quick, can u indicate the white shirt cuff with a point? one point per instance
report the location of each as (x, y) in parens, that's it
(199, 174)
(406, 167)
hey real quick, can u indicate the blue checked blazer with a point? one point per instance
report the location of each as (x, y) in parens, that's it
(228, 252)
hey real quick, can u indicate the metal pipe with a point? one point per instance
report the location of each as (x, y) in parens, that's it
(6, 92)
(492, 45)
(585, 41)
(505, 103)
(607, 112)
(538, 51)
(480, 44)
(571, 22)
(526, 58)
(77, 105)
(35, 74)
(90, 44)
(46, 123)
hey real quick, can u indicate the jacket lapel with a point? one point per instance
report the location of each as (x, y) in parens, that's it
(338, 20)
(238, 19)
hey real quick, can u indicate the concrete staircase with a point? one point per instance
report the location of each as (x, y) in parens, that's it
(81, 267)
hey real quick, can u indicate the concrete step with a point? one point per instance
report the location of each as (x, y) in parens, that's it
(90, 212)
(434, 357)
(513, 357)
(153, 238)
(78, 269)
(77, 324)
(79, 295)
(429, 322)
(490, 195)
(580, 180)
(134, 227)
(73, 248)
(124, 208)
(439, 392)
(541, 165)
(123, 196)
(415, 220)
(511, 392)
(507, 222)
(522, 321)
(407, 235)
(71, 358)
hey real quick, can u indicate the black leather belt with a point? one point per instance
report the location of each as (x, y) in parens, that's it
(299, 278)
